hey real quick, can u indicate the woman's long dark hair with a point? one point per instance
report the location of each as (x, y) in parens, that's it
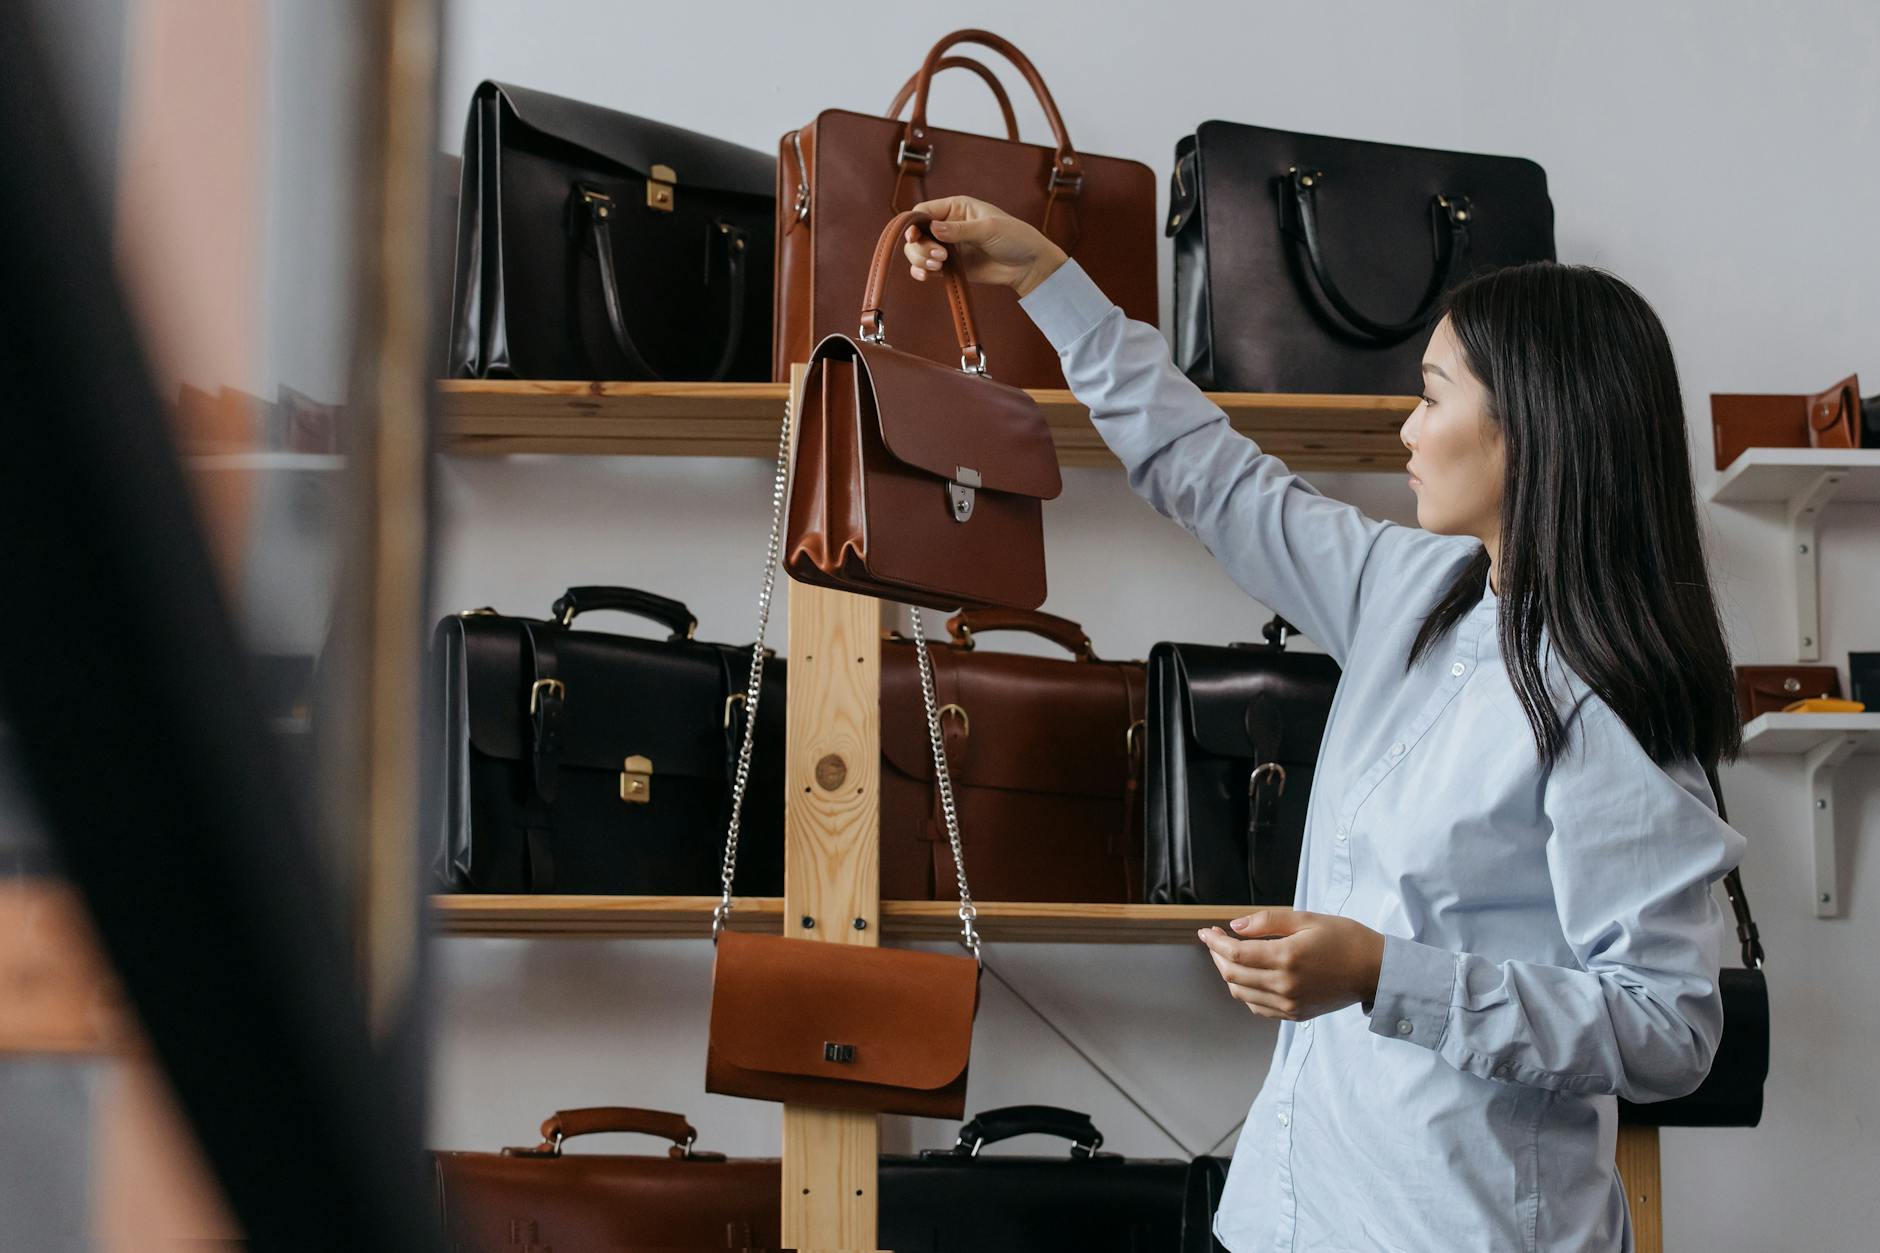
(1599, 534)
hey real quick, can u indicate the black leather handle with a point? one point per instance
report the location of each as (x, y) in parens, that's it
(1747, 933)
(669, 613)
(599, 209)
(993, 1125)
(1451, 214)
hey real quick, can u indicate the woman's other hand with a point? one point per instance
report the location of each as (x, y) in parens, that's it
(989, 245)
(1286, 963)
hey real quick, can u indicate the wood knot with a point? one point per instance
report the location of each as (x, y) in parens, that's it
(831, 772)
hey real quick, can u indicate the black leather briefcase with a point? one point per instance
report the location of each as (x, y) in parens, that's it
(959, 1201)
(596, 245)
(1232, 742)
(576, 761)
(1310, 264)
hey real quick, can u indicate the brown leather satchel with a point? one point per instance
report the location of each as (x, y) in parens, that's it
(840, 175)
(839, 1022)
(541, 1199)
(1829, 419)
(913, 480)
(1045, 756)
(1769, 689)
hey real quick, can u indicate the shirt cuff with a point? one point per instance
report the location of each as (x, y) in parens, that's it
(1416, 984)
(1066, 305)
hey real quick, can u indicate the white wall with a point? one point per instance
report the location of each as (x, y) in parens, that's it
(1721, 157)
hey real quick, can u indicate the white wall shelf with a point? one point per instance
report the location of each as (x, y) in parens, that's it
(1803, 480)
(1823, 742)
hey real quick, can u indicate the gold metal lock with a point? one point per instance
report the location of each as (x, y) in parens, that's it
(659, 186)
(636, 780)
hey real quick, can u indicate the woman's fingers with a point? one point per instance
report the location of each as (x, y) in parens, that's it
(925, 255)
(1271, 981)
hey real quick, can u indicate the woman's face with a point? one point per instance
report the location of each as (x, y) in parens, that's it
(1456, 451)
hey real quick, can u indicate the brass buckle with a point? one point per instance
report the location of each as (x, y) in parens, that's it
(736, 698)
(1270, 769)
(636, 780)
(966, 723)
(554, 687)
(1129, 736)
(659, 185)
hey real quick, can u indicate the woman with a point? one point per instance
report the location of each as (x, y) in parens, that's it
(1504, 914)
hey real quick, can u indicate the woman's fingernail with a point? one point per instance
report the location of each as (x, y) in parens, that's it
(936, 252)
(932, 264)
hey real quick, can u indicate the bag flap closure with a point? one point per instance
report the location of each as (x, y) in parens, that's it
(1836, 405)
(938, 418)
(1256, 702)
(625, 696)
(905, 1015)
(639, 143)
(1036, 724)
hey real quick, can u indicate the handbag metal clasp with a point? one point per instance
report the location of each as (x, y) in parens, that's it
(834, 1052)
(636, 780)
(659, 185)
(962, 489)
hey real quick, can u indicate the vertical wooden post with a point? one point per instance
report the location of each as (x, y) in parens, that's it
(832, 880)
(1638, 1171)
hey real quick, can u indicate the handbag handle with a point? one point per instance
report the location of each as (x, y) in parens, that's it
(599, 208)
(1063, 632)
(874, 326)
(1452, 215)
(565, 1124)
(963, 63)
(993, 1125)
(915, 155)
(669, 613)
(1747, 934)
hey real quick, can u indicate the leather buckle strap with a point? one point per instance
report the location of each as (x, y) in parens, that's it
(548, 699)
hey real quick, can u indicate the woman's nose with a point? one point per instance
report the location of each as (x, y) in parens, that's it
(1407, 433)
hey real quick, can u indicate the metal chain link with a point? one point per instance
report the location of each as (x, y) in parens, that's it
(969, 936)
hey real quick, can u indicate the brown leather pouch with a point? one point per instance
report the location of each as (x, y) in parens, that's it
(917, 481)
(817, 1022)
(1827, 420)
(1834, 416)
(1769, 689)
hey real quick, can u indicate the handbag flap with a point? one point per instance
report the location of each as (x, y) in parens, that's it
(1036, 724)
(907, 1014)
(938, 418)
(625, 696)
(1835, 406)
(638, 143)
(1255, 702)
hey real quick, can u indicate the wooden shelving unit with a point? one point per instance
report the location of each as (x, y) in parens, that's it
(493, 418)
(689, 918)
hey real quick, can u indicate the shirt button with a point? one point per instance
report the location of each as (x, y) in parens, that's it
(1396, 750)
(1284, 1120)
(1457, 669)
(1404, 1027)
(1343, 831)
(1501, 1070)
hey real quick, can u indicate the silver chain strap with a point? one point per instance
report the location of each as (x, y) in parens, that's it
(969, 935)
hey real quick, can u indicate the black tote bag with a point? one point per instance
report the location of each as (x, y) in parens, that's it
(596, 245)
(1305, 263)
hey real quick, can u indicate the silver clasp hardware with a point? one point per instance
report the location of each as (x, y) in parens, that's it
(636, 780)
(973, 361)
(877, 333)
(834, 1052)
(962, 489)
(904, 154)
(1268, 770)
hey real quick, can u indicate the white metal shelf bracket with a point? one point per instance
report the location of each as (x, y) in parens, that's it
(1822, 762)
(1805, 560)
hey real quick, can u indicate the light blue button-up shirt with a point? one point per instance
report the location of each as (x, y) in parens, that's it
(1551, 935)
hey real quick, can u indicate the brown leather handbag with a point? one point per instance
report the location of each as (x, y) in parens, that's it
(540, 1198)
(1045, 757)
(824, 1022)
(840, 175)
(1770, 689)
(913, 480)
(1829, 419)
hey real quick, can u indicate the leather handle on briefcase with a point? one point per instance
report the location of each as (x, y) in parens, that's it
(1063, 632)
(599, 210)
(669, 613)
(565, 1124)
(1451, 213)
(874, 326)
(963, 63)
(916, 146)
(993, 1125)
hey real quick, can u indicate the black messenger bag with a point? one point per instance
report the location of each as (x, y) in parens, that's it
(1233, 739)
(596, 245)
(1310, 264)
(576, 761)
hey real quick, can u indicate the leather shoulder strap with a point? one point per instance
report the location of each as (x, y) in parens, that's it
(1747, 934)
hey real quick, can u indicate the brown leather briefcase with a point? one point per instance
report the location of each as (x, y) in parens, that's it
(542, 1199)
(913, 480)
(841, 175)
(1829, 419)
(1770, 689)
(1046, 762)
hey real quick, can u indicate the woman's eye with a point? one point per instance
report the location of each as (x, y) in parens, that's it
(1428, 401)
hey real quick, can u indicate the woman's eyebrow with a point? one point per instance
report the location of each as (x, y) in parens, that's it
(1432, 368)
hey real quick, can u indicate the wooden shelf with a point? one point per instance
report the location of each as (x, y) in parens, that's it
(689, 917)
(482, 417)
